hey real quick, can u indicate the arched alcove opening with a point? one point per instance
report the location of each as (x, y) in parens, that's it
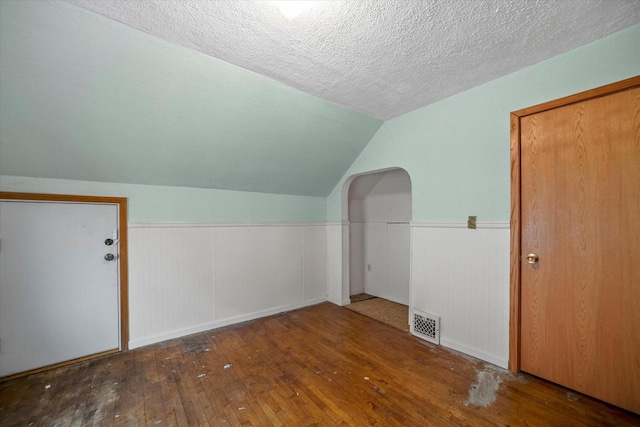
(376, 243)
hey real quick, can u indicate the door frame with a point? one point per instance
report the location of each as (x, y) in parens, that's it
(516, 225)
(121, 202)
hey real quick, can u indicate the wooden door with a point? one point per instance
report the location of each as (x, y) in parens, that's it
(580, 215)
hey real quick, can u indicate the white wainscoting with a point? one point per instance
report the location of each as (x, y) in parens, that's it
(462, 275)
(356, 257)
(188, 278)
(386, 250)
(337, 267)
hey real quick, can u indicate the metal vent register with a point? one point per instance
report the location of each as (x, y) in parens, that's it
(426, 326)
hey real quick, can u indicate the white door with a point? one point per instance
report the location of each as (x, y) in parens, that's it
(58, 293)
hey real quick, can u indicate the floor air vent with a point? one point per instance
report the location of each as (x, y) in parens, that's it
(426, 326)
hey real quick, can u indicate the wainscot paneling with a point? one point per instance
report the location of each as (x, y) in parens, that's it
(314, 263)
(356, 257)
(462, 275)
(187, 278)
(386, 252)
(337, 266)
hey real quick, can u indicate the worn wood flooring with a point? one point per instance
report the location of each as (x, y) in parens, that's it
(360, 297)
(321, 365)
(382, 310)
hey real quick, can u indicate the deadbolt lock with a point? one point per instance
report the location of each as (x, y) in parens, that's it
(108, 242)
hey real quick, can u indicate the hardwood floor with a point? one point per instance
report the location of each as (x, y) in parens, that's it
(382, 310)
(322, 365)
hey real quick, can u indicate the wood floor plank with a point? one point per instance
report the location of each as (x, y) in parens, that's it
(163, 367)
(334, 369)
(101, 396)
(48, 391)
(123, 362)
(216, 380)
(290, 389)
(189, 387)
(130, 403)
(67, 389)
(321, 365)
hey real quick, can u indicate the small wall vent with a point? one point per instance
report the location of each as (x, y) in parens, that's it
(426, 326)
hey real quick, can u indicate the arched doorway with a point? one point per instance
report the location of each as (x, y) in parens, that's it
(376, 242)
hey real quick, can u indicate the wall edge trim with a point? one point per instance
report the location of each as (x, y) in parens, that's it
(223, 224)
(493, 359)
(177, 333)
(338, 302)
(460, 224)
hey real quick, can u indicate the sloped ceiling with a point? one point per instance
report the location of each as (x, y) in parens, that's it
(87, 98)
(380, 57)
(230, 95)
(362, 185)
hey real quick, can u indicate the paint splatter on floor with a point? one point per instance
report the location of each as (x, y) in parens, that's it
(483, 391)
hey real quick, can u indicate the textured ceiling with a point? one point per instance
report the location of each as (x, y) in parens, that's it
(385, 57)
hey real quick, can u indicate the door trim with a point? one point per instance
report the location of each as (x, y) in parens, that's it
(123, 259)
(516, 226)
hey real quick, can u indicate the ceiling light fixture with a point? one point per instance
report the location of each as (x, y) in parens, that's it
(291, 9)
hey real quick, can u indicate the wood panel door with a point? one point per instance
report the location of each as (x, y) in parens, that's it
(580, 216)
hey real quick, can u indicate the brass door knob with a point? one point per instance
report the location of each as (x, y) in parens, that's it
(532, 259)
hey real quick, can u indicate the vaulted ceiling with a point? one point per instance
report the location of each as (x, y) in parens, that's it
(379, 57)
(230, 95)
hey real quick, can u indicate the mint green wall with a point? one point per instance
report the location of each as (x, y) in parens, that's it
(83, 97)
(152, 203)
(457, 150)
(86, 99)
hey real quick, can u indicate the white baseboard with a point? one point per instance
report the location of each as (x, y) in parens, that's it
(498, 361)
(221, 323)
(334, 300)
(339, 302)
